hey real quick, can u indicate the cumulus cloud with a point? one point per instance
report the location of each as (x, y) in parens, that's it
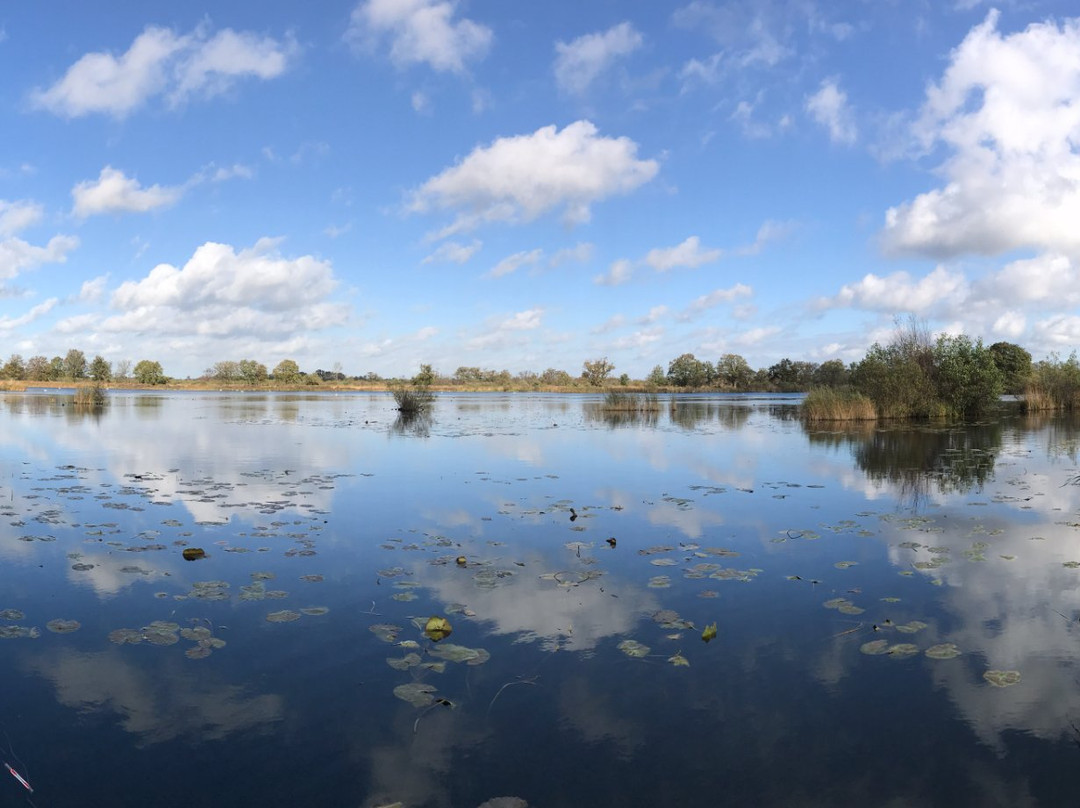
(501, 333)
(419, 32)
(17, 255)
(17, 216)
(521, 177)
(618, 273)
(115, 192)
(580, 253)
(580, 62)
(221, 291)
(829, 107)
(512, 262)
(687, 254)
(453, 252)
(713, 299)
(161, 62)
(1006, 111)
(40, 310)
(898, 292)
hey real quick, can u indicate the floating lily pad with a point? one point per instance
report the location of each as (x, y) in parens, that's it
(660, 582)
(125, 635)
(311, 578)
(417, 694)
(403, 663)
(843, 565)
(632, 648)
(679, 661)
(874, 647)
(669, 619)
(195, 633)
(945, 650)
(197, 652)
(404, 596)
(60, 626)
(903, 649)
(437, 628)
(82, 567)
(385, 632)
(911, 627)
(18, 632)
(459, 653)
(11, 614)
(283, 616)
(1002, 678)
(709, 632)
(314, 611)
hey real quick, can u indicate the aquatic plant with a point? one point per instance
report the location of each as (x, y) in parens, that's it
(1054, 384)
(90, 396)
(832, 404)
(618, 401)
(413, 399)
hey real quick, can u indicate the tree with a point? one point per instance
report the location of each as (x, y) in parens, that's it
(14, 368)
(556, 378)
(225, 371)
(56, 369)
(426, 376)
(734, 371)
(832, 373)
(252, 372)
(468, 375)
(687, 371)
(595, 371)
(1015, 366)
(149, 372)
(122, 369)
(656, 376)
(287, 372)
(37, 369)
(75, 364)
(100, 370)
(967, 380)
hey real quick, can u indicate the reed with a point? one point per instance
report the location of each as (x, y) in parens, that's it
(831, 404)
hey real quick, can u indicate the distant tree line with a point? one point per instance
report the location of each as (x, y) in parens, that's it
(73, 367)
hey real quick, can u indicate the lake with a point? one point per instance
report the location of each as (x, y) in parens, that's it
(896, 609)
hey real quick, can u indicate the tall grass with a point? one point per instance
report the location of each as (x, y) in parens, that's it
(619, 401)
(90, 395)
(1054, 385)
(831, 404)
(414, 399)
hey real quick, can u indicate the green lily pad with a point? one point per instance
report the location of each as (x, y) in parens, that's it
(874, 647)
(945, 650)
(911, 627)
(632, 648)
(60, 626)
(283, 616)
(1002, 678)
(417, 694)
(903, 649)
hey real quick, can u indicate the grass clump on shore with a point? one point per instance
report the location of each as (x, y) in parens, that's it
(1054, 385)
(832, 404)
(618, 401)
(90, 395)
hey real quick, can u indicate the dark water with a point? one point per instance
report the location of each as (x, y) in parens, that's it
(724, 510)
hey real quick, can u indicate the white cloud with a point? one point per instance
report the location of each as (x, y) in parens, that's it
(580, 253)
(755, 336)
(523, 320)
(688, 254)
(40, 310)
(580, 62)
(515, 261)
(1059, 331)
(419, 32)
(453, 252)
(92, 290)
(221, 292)
(421, 103)
(829, 107)
(161, 62)
(521, 177)
(655, 313)
(769, 232)
(1006, 109)
(499, 334)
(713, 299)
(17, 216)
(611, 324)
(16, 255)
(618, 273)
(940, 290)
(1046, 281)
(115, 192)
(639, 339)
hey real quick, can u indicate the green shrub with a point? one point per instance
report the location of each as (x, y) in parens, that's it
(413, 399)
(90, 395)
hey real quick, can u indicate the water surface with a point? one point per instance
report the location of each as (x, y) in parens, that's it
(595, 548)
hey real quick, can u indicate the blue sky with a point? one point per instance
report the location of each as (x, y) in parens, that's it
(525, 185)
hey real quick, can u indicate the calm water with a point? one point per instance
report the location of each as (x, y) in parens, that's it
(803, 549)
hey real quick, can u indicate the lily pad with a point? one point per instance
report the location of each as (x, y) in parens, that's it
(437, 628)
(60, 626)
(911, 627)
(632, 648)
(902, 649)
(679, 661)
(1002, 678)
(314, 611)
(417, 694)
(459, 653)
(283, 616)
(945, 650)
(874, 647)
(125, 635)
(709, 632)
(385, 632)
(11, 614)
